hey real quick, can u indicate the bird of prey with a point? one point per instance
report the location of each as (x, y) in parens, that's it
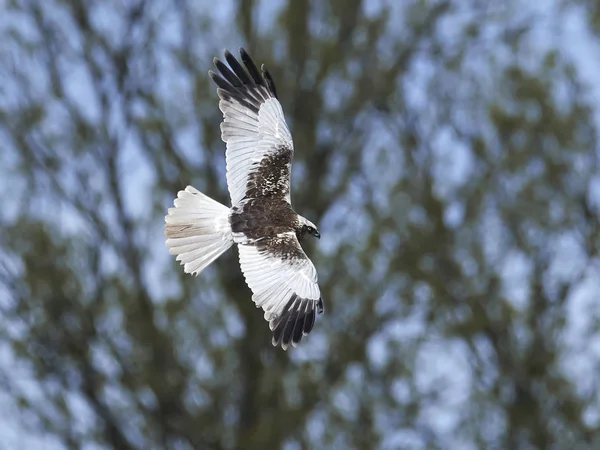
(261, 220)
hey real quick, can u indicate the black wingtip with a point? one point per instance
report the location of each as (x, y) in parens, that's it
(320, 306)
(248, 85)
(269, 79)
(245, 57)
(296, 321)
(252, 70)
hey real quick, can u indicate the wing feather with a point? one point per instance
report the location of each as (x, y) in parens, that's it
(254, 130)
(254, 73)
(284, 284)
(241, 75)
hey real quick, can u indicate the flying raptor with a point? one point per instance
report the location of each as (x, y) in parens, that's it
(261, 220)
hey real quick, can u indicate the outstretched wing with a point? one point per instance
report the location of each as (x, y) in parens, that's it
(259, 144)
(284, 284)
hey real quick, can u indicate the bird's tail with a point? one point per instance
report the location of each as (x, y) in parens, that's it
(197, 230)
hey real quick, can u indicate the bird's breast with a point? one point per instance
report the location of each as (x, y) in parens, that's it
(262, 218)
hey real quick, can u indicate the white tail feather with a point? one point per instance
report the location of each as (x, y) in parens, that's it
(197, 230)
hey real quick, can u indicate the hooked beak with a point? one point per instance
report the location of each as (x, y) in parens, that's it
(317, 235)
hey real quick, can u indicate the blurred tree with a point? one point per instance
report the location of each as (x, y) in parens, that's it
(449, 154)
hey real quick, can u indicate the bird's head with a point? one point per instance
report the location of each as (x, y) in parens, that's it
(307, 227)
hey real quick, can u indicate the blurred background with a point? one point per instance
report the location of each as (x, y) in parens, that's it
(448, 151)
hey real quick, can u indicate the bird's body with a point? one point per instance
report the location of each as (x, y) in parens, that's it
(261, 220)
(255, 220)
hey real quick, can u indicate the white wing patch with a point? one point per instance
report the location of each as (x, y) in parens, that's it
(251, 137)
(285, 287)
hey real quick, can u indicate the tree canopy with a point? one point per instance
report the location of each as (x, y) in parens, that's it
(448, 152)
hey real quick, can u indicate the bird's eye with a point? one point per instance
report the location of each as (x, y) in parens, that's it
(309, 229)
